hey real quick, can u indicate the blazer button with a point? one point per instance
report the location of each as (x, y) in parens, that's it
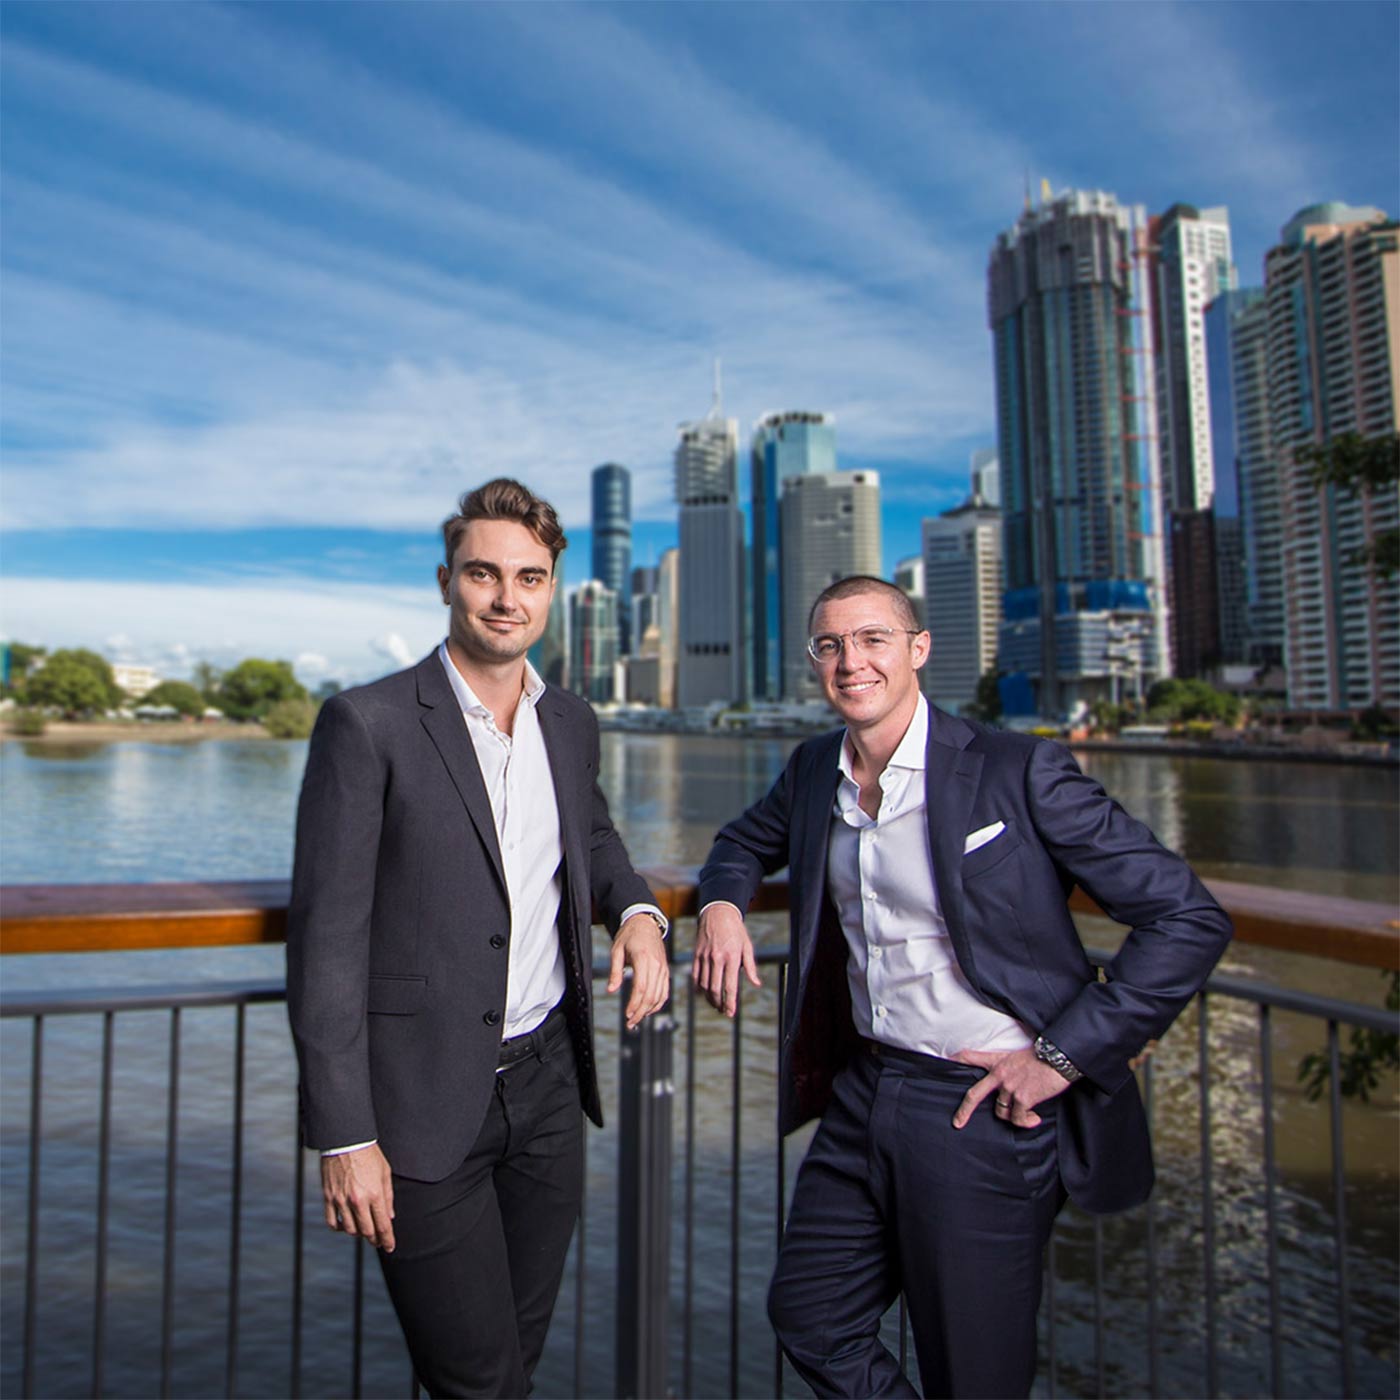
(498, 940)
(492, 1018)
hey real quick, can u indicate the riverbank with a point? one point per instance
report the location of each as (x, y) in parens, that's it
(1367, 755)
(62, 731)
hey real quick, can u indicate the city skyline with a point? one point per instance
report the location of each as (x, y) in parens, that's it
(277, 279)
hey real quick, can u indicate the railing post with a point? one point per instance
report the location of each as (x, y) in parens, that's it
(645, 1091)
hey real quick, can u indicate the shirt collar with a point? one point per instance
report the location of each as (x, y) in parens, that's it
(912, 749)
(466, 696)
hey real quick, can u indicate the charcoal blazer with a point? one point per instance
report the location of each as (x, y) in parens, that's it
(1005, 907)
(400, 923)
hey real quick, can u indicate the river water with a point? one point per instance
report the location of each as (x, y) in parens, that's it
(136, 811)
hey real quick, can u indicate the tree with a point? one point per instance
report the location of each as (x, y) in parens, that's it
(254, 686)
(986, 705)
(67, 683)
(206, 680)
(179, 695)
(290, 719)
(101, 668)
(1359, 464)
(1181, 701)
(22, 657)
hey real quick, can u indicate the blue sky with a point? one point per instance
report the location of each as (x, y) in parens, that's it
(278, 281)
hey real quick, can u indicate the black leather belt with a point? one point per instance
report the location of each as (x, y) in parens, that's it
(545, 1037)
(930, 1066)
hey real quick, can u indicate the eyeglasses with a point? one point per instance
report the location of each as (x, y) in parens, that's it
(867, 641)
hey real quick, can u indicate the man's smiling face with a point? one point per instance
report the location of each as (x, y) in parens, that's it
(499, 590)
(866, 689)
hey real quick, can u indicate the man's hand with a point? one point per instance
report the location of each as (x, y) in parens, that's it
(1018, 1079)
(359, 1195)
(639, 945)
(722, 948)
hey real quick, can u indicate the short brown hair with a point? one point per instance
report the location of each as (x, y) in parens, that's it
(868, 583)
(505, 499)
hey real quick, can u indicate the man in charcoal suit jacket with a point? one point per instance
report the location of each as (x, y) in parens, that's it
(934, 965)
(451, 841)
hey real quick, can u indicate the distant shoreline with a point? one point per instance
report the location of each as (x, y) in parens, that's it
(62, 731)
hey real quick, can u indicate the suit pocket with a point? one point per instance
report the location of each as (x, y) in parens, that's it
(993, 853)
(396, 996)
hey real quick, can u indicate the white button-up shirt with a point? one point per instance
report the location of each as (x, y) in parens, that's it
(907, 989)
(520, 785)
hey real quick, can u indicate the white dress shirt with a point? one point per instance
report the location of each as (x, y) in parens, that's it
(907, 989)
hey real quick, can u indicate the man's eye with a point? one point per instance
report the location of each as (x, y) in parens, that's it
(873, 641)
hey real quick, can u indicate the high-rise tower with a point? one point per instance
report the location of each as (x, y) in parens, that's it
(1190, 267)
(784, 444)
(830, 528)
(612, 539)
(1332, 288)
(710, 663)
(1076, 434)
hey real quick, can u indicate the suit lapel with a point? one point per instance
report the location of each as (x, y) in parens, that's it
(951, 775)
(554, 727)
(814, 815)
(446, 728)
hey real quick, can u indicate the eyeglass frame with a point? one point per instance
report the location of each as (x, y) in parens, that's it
(840, 638)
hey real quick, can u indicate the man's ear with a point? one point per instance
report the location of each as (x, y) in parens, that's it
(922, 650)
(443, 578)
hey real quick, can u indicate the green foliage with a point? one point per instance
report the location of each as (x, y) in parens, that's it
(1360, 464)
(254, 686)
(69, 683)
(206, 681)
(1107, 717)
(986, 705)
(1372, 1055)
(1374, 722)
(290, 719)
(100, 667)
(28, 724)
(22, 656)
(179, 695)
(1179, 701)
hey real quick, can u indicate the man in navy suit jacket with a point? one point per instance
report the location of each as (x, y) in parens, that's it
(451, 841)
(934, 966)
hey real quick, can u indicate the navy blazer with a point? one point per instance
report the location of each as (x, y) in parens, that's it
(399, 928)
(1005, 907)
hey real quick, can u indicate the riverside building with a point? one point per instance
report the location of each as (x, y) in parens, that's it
(1076, 436)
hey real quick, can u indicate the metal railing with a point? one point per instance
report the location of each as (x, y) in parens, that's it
(715, 1175)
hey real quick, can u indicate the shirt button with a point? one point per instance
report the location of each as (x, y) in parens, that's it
(880, 1012)
(498, 940)
(492, 1018)
(877, 952)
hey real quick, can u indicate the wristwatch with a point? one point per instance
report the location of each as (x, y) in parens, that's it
(1056, 1058)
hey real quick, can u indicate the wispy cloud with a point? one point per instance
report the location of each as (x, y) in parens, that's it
(358, 632)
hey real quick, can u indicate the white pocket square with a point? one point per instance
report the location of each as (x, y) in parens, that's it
(979, 838)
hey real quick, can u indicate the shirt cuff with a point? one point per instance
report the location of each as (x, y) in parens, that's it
(715, 903)
(341, 1151)
(646, 909)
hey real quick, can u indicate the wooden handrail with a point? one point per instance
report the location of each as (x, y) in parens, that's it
(112, 918)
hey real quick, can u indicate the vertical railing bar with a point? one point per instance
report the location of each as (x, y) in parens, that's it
(688, 1270)
(782, 1163)
(1100, 1375)
(1266, 1070)
(31, 1249)
(1339, 1200)
(1052, 1346)
(236, 1206)
(104, 1181)
(358, 1321)
(1207, 1195)
(298, 1262)
(1154, 1380)
(172, 1141)
(580, 1271)
(735, 1135)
